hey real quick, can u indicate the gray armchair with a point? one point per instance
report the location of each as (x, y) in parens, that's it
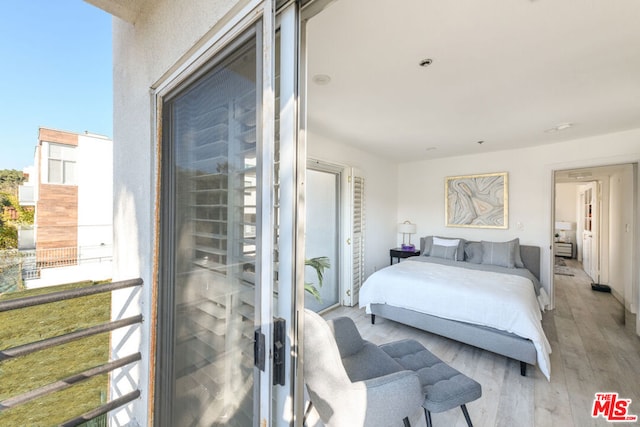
(352, 382)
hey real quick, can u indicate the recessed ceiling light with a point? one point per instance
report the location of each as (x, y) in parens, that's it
(425, 62)
(321, 79)
(559, 127)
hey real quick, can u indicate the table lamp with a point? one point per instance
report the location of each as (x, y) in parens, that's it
(407, 228)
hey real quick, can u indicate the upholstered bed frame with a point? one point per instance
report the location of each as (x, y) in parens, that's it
(500, 342)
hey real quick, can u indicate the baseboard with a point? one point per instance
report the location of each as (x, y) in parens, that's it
(630, 320)
(617, 295)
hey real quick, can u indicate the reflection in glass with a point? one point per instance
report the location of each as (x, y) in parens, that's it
(210, 129)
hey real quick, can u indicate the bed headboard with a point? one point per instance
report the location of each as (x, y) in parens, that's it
(531, 259)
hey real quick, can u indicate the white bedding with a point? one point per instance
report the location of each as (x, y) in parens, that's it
(501, 301)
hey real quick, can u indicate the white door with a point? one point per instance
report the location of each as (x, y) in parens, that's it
(354, 232)
(590, 233)
(586, 252)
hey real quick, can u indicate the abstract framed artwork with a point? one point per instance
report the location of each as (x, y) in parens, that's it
(478, 201)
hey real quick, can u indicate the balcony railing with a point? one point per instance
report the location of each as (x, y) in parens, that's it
(33, 261)
(62, 384)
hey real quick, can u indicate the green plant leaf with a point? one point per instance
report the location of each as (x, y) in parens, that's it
(319, 264)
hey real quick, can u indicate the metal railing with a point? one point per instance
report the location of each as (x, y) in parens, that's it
(31, 262)
(21, 350)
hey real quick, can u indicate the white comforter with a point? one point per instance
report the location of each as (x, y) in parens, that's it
(501, 301)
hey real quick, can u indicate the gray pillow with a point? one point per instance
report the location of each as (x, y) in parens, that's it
(499, 253)
(446, 252)
(426, 243)
(518, 257)
(473, 252)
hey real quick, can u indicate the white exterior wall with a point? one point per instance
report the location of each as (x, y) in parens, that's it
(530, 184)
(78, 273)
(164, 36)
(94, 169)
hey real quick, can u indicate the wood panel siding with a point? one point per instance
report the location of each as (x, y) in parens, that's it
(57, 216)
(58, 136)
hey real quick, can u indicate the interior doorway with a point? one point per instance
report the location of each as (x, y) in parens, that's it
(593, 223)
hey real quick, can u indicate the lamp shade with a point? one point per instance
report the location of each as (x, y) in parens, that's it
(407, 228)
(562, 225)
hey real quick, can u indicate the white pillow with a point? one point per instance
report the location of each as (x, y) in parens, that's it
(445, 242)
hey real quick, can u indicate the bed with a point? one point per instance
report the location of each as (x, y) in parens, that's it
(485, 294)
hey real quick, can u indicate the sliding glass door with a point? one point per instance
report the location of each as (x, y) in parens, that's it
(226, 326)
(209, 247)
(323, 233)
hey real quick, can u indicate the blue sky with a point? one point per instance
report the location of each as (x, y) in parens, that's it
(55, 72)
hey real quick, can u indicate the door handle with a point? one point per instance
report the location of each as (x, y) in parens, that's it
(279, 341)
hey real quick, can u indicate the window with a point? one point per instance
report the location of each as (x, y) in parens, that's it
(62, 164)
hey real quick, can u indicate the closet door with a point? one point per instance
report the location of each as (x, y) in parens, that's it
(354, 221)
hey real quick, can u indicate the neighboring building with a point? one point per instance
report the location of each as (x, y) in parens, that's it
(194, 132)
(71, 188)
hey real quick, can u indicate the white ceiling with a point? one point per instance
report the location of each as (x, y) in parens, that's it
(503, 72)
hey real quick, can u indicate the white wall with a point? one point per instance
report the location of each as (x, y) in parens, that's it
(566, 207)
(530, 184)
(95, 190)
(621, 243)
(166, 33)
(76, 273)
(380, 192)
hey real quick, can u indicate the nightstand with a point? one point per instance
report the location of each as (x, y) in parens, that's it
(399, 253)
(563, 249)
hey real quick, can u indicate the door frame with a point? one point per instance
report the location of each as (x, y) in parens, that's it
(635, 236)
(341, 173)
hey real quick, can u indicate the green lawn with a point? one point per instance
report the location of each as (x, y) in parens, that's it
(25, 373)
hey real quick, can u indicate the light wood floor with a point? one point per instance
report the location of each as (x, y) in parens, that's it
(592, 352)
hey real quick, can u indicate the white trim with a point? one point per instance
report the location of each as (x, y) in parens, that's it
(286, 409)
(266, 229)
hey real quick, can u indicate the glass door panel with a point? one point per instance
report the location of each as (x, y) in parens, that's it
(208, 287)
(322, 236)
